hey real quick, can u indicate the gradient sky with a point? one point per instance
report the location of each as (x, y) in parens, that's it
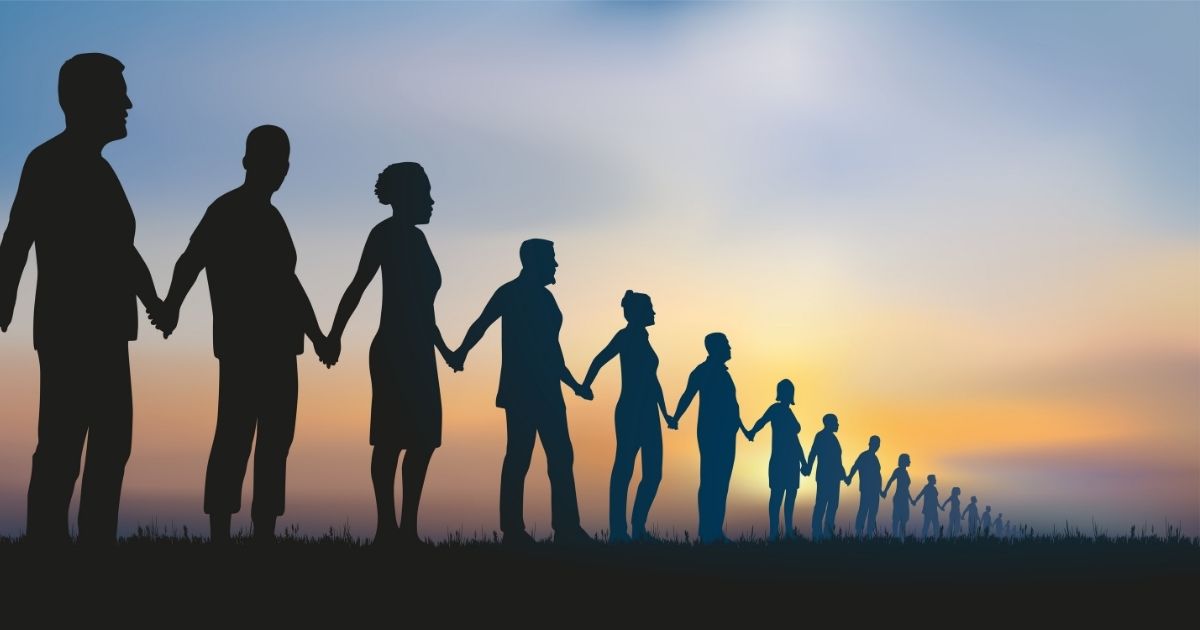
(971, 229)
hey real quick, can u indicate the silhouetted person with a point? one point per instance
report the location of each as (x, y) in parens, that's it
(955, 518)
(870, 484)
(998, 525)
(637, 416)
(971, 513)
(929, 507)
(531, 372)
(406, 402)
(787, 457)
(261, 315)
(826, 456)
(903, 497)
(72, 208)
(986, 521)
(716, 431)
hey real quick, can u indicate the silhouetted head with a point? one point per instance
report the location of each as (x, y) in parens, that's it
(266, 160)
(405, 187)
(638, 310)
(955, 491)
(873, 443)
(932, 479)
(974, 500)
(987, 509)
(537, 260)
(905, 461)
(91, 92)
(717, 345)
(831, 422)
(785, 392)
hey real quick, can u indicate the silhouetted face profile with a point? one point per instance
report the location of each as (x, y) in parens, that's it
(638, 310)
(266, 161)
(904, 460)
(92, 94)
(785, 392)
(405, 187)
(932, 478)
(717, 345)
(874, 443)
(831, 422)
(537, 260)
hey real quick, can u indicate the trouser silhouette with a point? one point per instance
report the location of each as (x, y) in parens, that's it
(717, 451)
(825, 507)
(638, 429)
(257, 394)
(85, 393)
(868, 509)
(525, 424)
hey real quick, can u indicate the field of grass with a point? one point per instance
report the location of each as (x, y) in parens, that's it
(1069, 574)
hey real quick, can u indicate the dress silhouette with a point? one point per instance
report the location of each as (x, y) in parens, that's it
(870, 485)
(531, 372)
(955, 519)
(929, 507)
(71, 207)
(638, 426)
(826, 456)
(971, 513)
(787, 458)
(902, 499)
(261, 315)
(406, 403)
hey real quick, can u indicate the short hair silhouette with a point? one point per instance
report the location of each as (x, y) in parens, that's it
(83, 77)
(398, 177)
(874, 441)
(829, 419)
(267, 143)
(904, 459)
(534, 248)
(784, 390)
(931, 478)
(713, 341)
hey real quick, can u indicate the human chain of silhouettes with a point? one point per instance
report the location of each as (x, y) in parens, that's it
(71, 207)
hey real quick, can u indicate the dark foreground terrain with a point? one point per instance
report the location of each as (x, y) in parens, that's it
(339, 582)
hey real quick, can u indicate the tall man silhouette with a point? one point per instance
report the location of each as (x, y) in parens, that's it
(826, 455)
(260, 317)
(531, 370)
(72, 208)
(870, 485)
(716, 431)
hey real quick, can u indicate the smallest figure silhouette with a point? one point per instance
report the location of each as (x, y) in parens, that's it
(955, 504)
(787, 457)
(930, 507)
(998, 525)
(901, 501)
(986, 521)
(972, 516)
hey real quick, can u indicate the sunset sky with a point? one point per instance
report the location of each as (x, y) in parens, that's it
(972, 229)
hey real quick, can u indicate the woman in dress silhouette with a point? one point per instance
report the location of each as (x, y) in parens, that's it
(955, 511)
(787, 457)
(406, 405)
(903, 499)
(637, 416)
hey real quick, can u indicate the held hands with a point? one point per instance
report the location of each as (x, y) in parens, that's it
(749, 434)
(672, 422)
(328, 349)
(164, 316)
(806, 470)
(583, 391)
(455, 359)
(847, 480)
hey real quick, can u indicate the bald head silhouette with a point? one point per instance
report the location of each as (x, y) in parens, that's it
(266, 160)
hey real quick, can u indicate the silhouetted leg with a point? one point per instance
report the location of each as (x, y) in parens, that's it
(871, 499)
(110, 435)
(560, 466)
(832, 496)
(276, 430)
(517, 455)
(717, 452)
(819, 506)
(628, 442)
(232, 441)
(218, 527)
(61, 432)
(789, 508)
(384, 460)
(416, 464)
(652, 463)
(773, 504)
(860, 518)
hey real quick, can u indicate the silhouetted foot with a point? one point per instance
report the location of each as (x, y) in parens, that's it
(385, 537)
(643, 536)
(518, 539)
(617, 538)
(576, 536)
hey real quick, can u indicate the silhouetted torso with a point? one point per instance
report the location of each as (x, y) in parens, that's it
(870, 479)
(902, 496)
(718, 399)
(532, 363)
(250, 261)
(784, 466)
(828, 452)
(639, 370)
(929, 505)
(71, 207)
(411, 280)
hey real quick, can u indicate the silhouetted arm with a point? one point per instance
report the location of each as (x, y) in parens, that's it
(368, 266)
(920, 494)
(187, 269)
(662, 401)
(18, 238)
(853, 470)
(889, 485)
(813, 453)
(762, 422)
(607, 354)
(312, 328)
(943, 505)
(491, 312)
(143, 282)
(685, 400)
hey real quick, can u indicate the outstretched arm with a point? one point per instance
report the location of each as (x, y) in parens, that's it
(187, 269)
(308, 317)
(607, 354)
(368, 266)
(14, 248)
(762, 422)
(853, 470)
(143, 282)
(889, 485)
(920, 494)
(491, 312)
(685, 401)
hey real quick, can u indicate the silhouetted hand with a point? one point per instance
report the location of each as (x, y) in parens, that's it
(329, 350)
(847, 480)
(165, 317)
(749, 435)
(585, 392)
(806, 471)
(456, 360)
(672, 423)
(882, 495)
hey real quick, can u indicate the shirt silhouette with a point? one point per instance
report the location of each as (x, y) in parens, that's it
(870, 485)
(71, 208)
(826, 452)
